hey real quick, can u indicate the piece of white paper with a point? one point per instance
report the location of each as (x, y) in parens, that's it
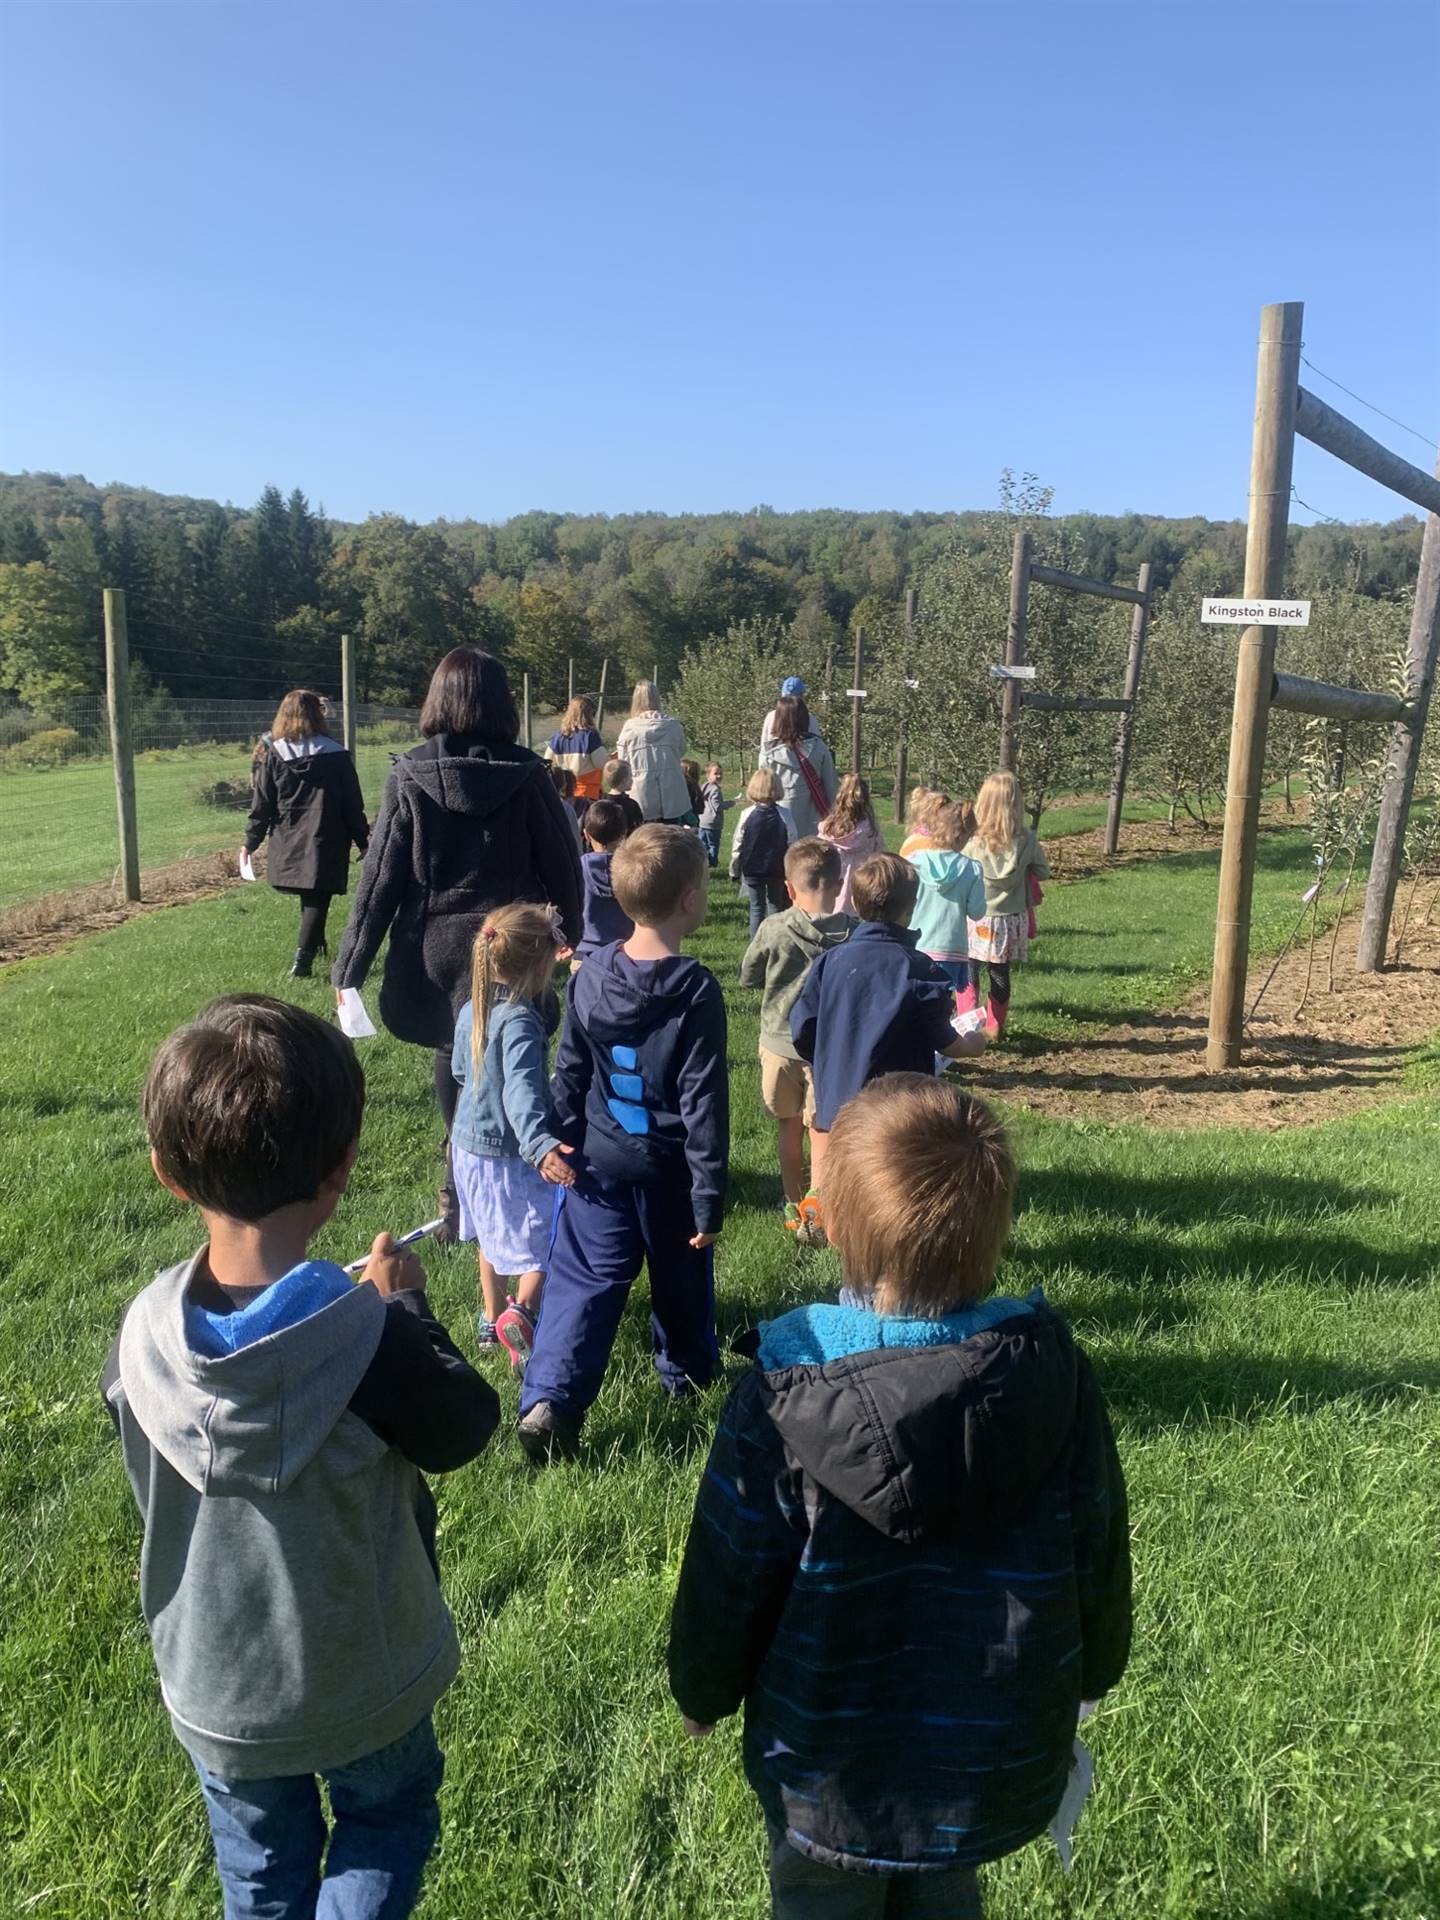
(1309, 895)
(353, 1018)
(1077, 1792)
(970, 1022)
(247, 871)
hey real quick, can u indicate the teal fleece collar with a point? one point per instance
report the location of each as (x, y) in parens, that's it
(810, 1336)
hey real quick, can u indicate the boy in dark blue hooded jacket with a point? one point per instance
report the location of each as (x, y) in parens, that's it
(909, 1560)
(642, 1100)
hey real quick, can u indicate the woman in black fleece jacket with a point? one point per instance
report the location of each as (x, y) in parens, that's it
(468, 822)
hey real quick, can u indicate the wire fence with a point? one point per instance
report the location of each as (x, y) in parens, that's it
(58, 829)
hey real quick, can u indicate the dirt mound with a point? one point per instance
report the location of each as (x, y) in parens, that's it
(56, 919)
(1346, 1050)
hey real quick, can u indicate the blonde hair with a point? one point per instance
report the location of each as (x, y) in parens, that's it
(762, 786)
(918, 1184)
(299, 716)
(952, 824)
(645, 699)
(617, 776)
(515, 949)
(813, 866)
(852, 808)
(997, 813)
(578, 715)
(653, 869)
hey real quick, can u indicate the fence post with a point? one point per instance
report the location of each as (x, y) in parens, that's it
(902, 750)
(525, 707)
(1139, 624)
(1409, 735)
(1272, 455)
(569, 678)
(122, 746)
(655, 676)
(349, 717)
(604, 676)
(1015, 647)
(855, 700)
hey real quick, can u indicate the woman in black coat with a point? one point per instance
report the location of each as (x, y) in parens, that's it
(469, 821)
(305, 794)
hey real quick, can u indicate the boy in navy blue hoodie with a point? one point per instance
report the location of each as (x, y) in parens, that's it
(642, 1100)
(605, 826)
(910, 1559)
(874, 1005)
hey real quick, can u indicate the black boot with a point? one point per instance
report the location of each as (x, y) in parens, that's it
(304, 963)
(447, 1205)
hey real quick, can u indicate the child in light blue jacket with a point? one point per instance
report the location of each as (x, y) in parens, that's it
(952, 894)
(504, 1145)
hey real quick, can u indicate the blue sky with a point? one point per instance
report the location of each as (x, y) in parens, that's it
(471, 259)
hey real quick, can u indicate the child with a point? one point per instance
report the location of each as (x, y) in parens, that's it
(713, 807)
(873, 1006)
(605, 919)
(578, 747)
(616, 781)
(922, 801)
(503, 1145)
(757, 853)
(1009, 856)
(777, 961)
(851, 825)
(564, 782)
(909, 1557)
(691, 816)
(952, 894)
(642, 1098)
(273, 1416)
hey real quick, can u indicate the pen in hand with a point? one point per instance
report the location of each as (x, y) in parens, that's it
(405, 1240)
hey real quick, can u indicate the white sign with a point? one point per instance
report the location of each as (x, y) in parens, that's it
(1255, 613)
(1012, 673)
(854, 693)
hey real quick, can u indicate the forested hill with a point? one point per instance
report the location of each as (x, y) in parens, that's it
(228, 602)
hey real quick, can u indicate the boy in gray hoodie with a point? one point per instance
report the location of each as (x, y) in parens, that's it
(778, 960)
(274, 1417)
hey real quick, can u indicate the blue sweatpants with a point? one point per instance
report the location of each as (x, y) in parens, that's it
(604, 1231)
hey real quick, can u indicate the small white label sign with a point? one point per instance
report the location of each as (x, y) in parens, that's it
(855, 693)
(1012, 673)
(1255, 613)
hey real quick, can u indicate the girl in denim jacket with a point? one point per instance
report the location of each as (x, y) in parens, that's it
(506, 1153)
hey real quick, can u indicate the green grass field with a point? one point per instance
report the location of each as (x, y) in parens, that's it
(1264, 1312)
(58, 823)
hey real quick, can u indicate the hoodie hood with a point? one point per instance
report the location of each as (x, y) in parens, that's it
(1003, 863)
(466, 776)
(861, 836)
(929, 1431)
(247, 1422)
(816, 932)
(596, 869)
(620, 1001)
(299, 754)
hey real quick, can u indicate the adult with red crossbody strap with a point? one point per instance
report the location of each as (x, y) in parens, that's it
(801, 761)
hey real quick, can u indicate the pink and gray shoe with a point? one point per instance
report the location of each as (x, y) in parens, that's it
(515, 1330)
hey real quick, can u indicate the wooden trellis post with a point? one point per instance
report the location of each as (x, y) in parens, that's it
(122, 746)
(902, 749)
(857, 697)
(1015, 647)
(348, 716)
(1139, 625)
(604, 676)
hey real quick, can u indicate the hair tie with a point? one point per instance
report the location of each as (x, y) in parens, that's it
(487, 933)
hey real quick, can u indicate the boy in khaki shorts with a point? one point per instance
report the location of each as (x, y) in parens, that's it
(777, 961)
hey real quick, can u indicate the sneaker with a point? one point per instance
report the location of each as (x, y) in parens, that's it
(485, 1334)
(790, 1218)
(547, 1435)
(811, 1230)
(515, 1330)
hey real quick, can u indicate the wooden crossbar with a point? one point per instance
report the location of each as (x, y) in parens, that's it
(1077, 583)
(1290, 694)
(1326, 428)
(1060, 703)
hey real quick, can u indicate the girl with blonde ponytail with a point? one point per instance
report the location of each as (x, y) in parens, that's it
(1012, 860)
(507, 1155)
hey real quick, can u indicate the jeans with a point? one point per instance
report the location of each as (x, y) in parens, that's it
(802, 1889)
(270, 1836)
(710, 840)
(766, 897)
(314, 909)
(957, 972)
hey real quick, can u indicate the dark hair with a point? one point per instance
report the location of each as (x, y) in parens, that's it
(605, 821)
(563, 781)
(884, 888)
(252, 1105)
(792, 721)
(469, 693)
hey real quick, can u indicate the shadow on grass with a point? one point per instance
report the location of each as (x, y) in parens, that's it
(1192, 1199)
(1364, 1892)
(1154, 1392)
(1257, 1259)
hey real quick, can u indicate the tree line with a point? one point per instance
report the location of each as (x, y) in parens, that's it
(231, 603)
